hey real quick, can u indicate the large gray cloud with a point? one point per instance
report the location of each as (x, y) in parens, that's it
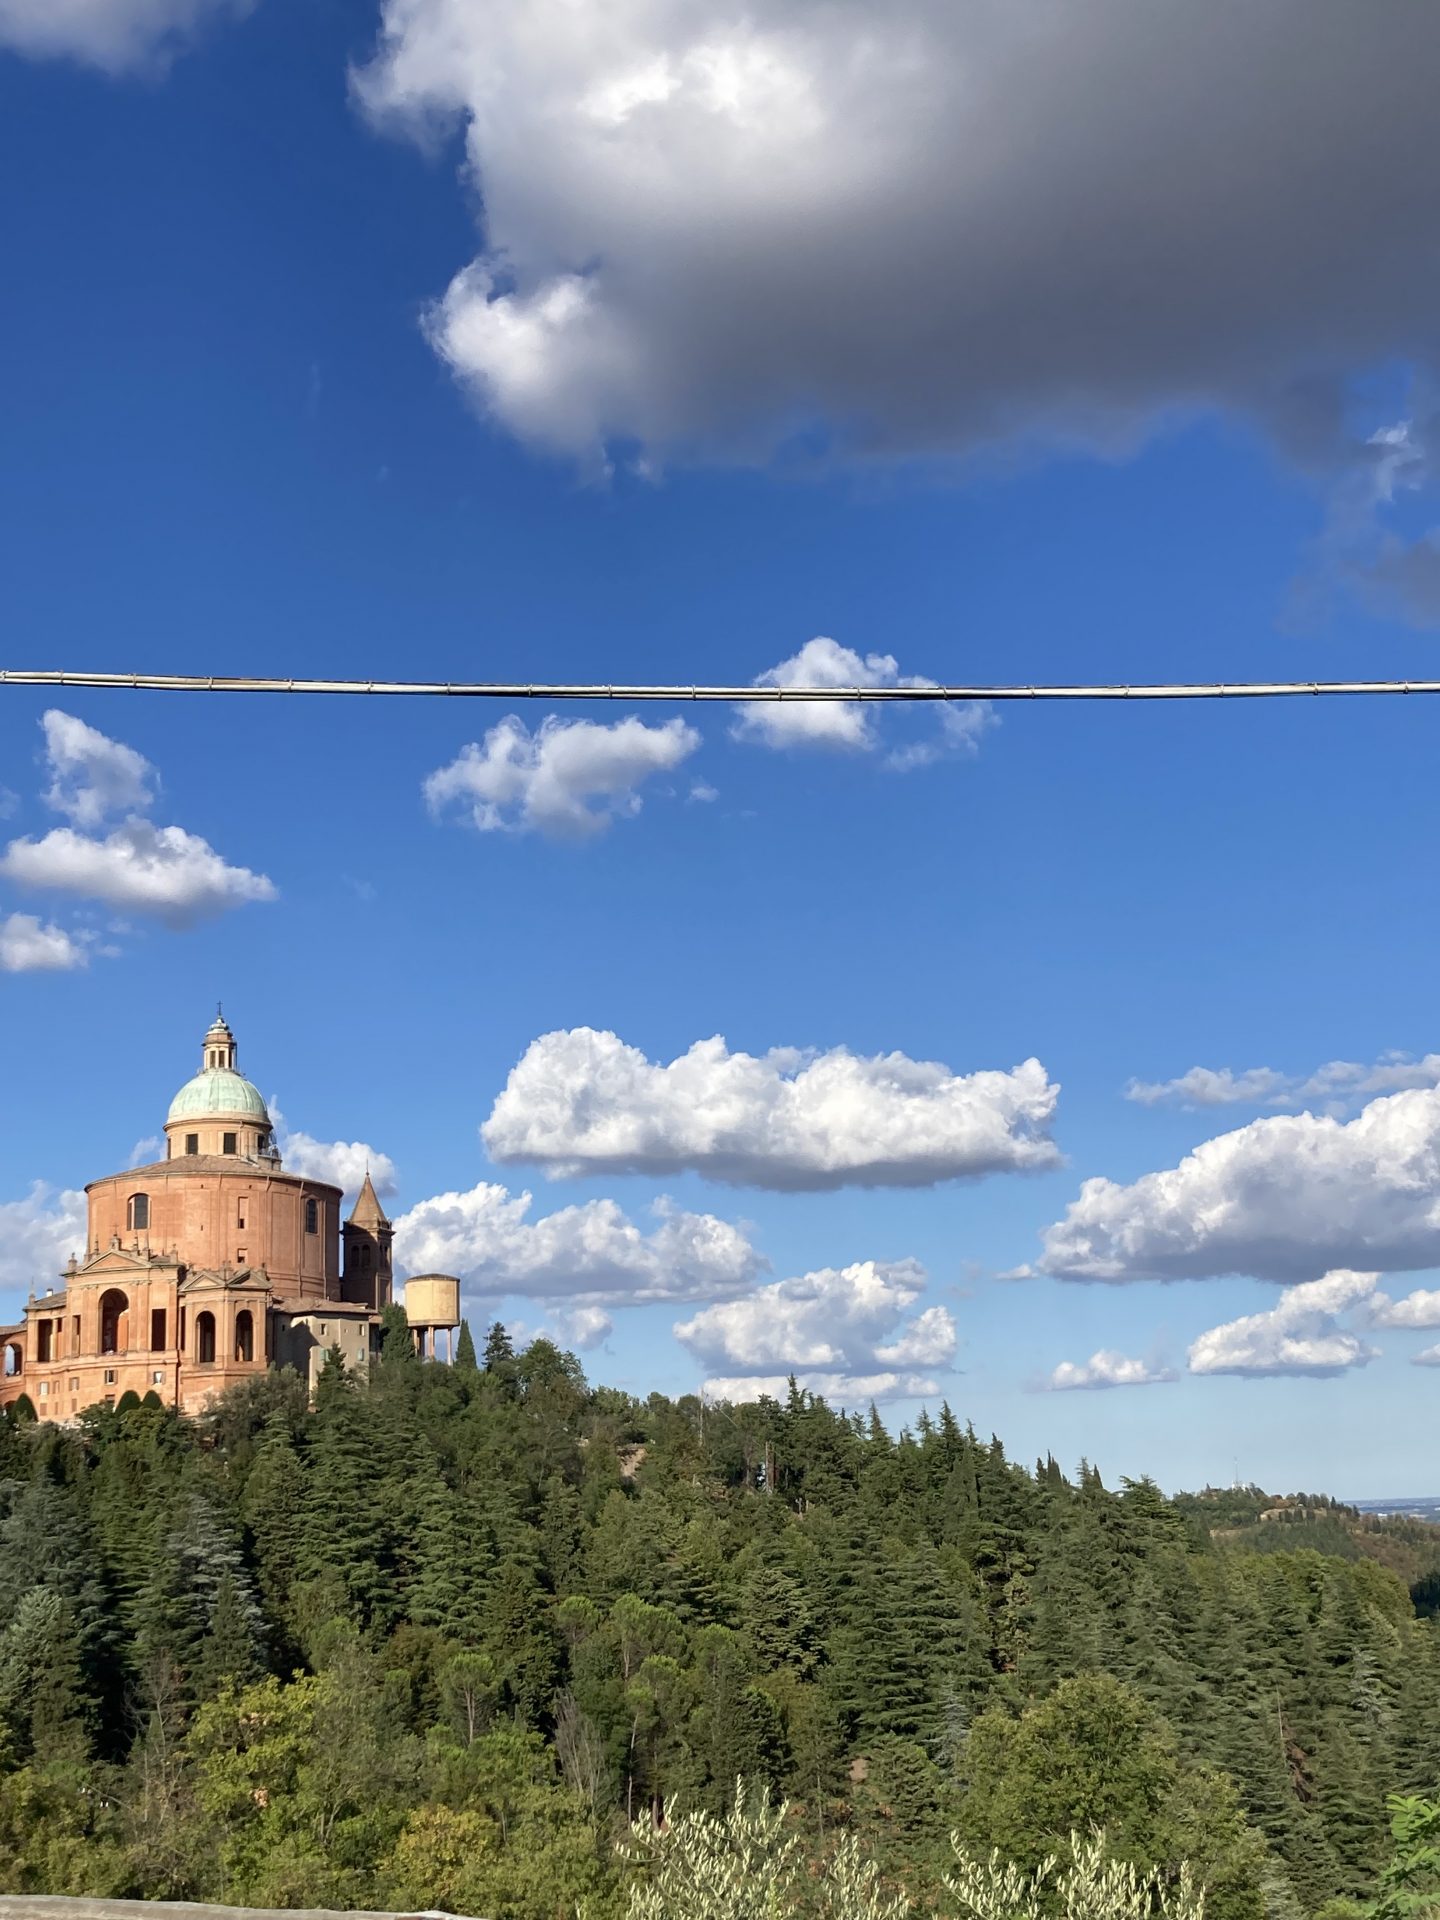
(1283, 1198)
(932, 225)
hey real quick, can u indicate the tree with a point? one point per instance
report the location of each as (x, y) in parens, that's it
(1410, 1883)
(465, 1361)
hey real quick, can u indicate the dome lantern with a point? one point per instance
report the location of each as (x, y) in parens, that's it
(219, 1111)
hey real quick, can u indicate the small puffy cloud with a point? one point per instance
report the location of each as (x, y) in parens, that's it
(850, 725)
(1281, 1197)
(1107, 1369)
(588, 1254)
(343, 1163)
(1336, 1085)
(580, 1328)
(1301, 1334)
(28, 945)
(1210, 1087)
(1427, 1357)
(914, 229)
(140, 868)
(842, 1389)
(146, 1151)
(37, 1236)
(92, 776)
(569, 779)
(844, 1332)
(581, 1101)
(1420, 1309)
(110, 34)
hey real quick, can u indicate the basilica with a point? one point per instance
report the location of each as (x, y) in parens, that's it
(206, 1267)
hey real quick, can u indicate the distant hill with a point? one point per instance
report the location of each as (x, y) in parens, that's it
(1391, 1534)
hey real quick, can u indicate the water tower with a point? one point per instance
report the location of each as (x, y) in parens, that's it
(432, 1301)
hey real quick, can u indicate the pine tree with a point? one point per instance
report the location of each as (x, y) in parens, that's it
(465, 1361)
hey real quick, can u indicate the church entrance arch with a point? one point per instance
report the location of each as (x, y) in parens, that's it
(14, 1359)
(205, 1338)
(114, 1321)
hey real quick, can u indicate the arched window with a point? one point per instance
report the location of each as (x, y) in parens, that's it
(139, 1212)
(14, 1359)
(312, 1216)
(244, 1335)
(114, 1321)
(205, 1338)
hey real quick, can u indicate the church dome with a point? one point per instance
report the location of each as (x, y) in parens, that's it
(219, 1090)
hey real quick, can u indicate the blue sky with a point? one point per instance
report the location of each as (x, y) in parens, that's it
(240, 435)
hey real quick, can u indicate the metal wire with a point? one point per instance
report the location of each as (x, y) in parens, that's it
(536, 690)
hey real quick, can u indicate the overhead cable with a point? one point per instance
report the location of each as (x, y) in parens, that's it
(563, 690)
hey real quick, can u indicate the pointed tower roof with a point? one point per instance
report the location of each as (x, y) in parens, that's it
(367, 1211)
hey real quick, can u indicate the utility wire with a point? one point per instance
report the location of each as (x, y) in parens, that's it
(536, 690)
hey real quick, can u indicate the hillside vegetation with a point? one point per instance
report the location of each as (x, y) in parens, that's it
(454, 1638)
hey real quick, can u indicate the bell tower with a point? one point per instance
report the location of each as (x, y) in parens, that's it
(367, 1278)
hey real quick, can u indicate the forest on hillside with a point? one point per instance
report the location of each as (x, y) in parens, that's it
(444, 1638)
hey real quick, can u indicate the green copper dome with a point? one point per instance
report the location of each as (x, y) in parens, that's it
(219, 1090)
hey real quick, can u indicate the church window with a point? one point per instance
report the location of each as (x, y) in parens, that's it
(157, 1378)
(43, 1339)
(44, 1389)
(228, 1143)
(239, 1213)
(312, 1216)
(140, 1211)
(75, 1386)
(14, 1359)
(205, 1339)
(114, 1320)
(157, 1327)
(244, 1335)
(109, 1376)
(192, 1143)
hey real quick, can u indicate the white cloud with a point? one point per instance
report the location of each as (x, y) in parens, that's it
(1336, 1085)
(1420, 1309)
(146, 1151)
(586, 1254)
(569, 779)
(1428, 1357)
(28, 945)
(845, 1332)
(1107, 1369)
(580, 1328)
(139, 867)
(37, 1236)
(111, 34)
(1301, 1334)
(916, 228)
(1210, 1087)
(1284, 1196)
(842, 1389)
(343, 1163)
(91, 775)
(849, 724)
(581, 1101)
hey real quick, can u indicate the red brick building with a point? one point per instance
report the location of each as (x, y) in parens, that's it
(206, 1267)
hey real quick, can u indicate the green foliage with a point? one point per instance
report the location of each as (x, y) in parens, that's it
(1410, 1884)
(438, 1639)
